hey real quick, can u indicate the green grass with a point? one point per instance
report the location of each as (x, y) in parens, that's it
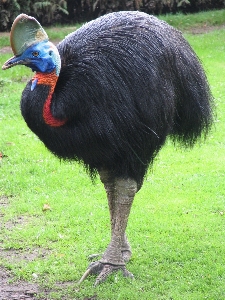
(176, 226)
(189, 21)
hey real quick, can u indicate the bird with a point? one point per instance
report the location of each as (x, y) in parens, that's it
(108, 96)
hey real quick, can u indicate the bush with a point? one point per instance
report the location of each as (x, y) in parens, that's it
(83, 10)
(61, 11)
(47, 12)
(185, 6)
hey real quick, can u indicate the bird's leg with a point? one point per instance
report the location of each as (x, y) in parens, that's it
(125, 190)
(126, 249)
(109, 184)
(112, 259)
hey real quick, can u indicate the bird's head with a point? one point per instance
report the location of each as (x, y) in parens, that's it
(31, 47)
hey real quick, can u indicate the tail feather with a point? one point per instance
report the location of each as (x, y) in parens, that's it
(194, 100)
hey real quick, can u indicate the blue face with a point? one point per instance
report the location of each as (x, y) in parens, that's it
(42, 57)
(39, 57)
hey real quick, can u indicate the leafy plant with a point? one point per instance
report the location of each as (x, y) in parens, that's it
(182, 2)
(8, 10)
(48, 11)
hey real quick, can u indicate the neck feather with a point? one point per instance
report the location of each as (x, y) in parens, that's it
(51, 80)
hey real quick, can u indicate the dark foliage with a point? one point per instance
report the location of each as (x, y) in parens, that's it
(47, 12)
(127, 82)
(74, 11)
(82, 10)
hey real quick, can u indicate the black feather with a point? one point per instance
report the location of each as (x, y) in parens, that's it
(128, 80)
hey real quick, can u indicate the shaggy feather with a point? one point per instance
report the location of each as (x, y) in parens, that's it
(127, 81)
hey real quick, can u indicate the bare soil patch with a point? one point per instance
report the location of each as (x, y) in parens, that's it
(19, 290)
(3, 201)
(5, 50)
(205, 29)
(14, 289)
(11, 289)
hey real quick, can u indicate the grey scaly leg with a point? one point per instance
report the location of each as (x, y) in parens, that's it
(120, 201)
(109, 184)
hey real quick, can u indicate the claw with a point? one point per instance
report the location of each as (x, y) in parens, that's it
(85, 275)
(94, 268)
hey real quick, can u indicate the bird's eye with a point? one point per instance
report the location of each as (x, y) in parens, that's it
(35, 53)
(50, 52)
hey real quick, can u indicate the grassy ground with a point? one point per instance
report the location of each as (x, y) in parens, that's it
(52, 217)
(192, 21)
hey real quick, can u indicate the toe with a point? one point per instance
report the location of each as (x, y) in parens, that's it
(126, 273)
(103, 270)
(106, 271)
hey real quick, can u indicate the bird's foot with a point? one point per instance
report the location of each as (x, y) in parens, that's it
(126, 254)
(103, 270)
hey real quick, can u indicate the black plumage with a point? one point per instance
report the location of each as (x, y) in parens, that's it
(127, 82)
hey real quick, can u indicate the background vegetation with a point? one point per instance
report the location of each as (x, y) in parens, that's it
(73, 11)
(52, 217)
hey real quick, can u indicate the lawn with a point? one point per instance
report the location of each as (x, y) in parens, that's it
(53, 217)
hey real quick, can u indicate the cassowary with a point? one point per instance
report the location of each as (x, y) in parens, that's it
(108, 96)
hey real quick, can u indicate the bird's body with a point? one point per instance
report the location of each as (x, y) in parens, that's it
(118, 93)
(127, 81)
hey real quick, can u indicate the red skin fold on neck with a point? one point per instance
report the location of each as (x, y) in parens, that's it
(51, 80)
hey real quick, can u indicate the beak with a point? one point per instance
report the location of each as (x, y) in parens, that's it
(13, 61)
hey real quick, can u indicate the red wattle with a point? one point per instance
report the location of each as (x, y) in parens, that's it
(49, 79)
(47, 115)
